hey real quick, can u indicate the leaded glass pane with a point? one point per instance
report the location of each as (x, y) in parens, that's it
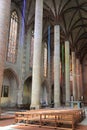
(12, 46)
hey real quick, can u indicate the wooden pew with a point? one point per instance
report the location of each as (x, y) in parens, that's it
(51, 118)
(26, 116)
(58, 120)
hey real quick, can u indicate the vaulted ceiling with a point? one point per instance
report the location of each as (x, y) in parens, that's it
(71, 15)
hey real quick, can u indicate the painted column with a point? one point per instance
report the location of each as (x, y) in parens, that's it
(4, 29)
(56, 66)
(81, 83)
(52, 74)
(74, 75)
(67, 72)
(36, 81)
(63, 74)
(52, 67)
(78, 78)
(49, 74)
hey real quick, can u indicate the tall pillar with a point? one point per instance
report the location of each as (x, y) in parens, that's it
(4, 29)
(36, 81)
(63, 74)
(51, 67)
(49, 62)
(78, 78)
(81, 83)
(74, 75)
(67, 72)
(56, 65)
(52, 74)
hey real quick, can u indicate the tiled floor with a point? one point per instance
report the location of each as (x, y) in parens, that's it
(9, 124)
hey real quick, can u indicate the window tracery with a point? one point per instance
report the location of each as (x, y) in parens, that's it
(12, 46)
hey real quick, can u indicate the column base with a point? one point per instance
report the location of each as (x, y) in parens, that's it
(12, 105)
(20, 106)
(67, 104)
(34, 106)
(56, 105)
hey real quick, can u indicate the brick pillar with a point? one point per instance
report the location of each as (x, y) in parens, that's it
(36, 81)
(4, 29)
(78, 78)
(56, 66)
(81, 82)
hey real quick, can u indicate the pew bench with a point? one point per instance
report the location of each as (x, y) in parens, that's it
(58, 120)
(62, 119)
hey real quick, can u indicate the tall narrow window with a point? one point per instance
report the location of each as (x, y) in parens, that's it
(45, 60)
(12, 46)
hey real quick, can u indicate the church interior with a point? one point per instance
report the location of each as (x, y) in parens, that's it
(43, 54)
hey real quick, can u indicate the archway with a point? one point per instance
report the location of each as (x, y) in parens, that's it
(9, 89)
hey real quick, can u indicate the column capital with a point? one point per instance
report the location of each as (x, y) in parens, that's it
(67, 41)
(66, 38)
(73, 54)
(78, 55)
(56, 24)
(72, 49)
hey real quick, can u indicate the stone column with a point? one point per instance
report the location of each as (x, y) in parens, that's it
(74, 74)
(67, 71)
(52, 76)
(52, 67)
(36, 81)
(4, 29)
(63, 74)
(81, 83)
(56, 66)
(78, 78)
(48, 67)
(51, 72)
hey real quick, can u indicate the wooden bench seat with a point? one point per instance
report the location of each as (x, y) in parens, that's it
(26, 116)
(58, 120)
(62, 119)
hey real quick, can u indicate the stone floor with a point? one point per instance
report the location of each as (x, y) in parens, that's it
(7, 123)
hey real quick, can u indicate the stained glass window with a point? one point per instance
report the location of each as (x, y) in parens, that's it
(12, 46)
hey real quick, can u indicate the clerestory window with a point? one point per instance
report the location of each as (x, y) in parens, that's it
(12, 45)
